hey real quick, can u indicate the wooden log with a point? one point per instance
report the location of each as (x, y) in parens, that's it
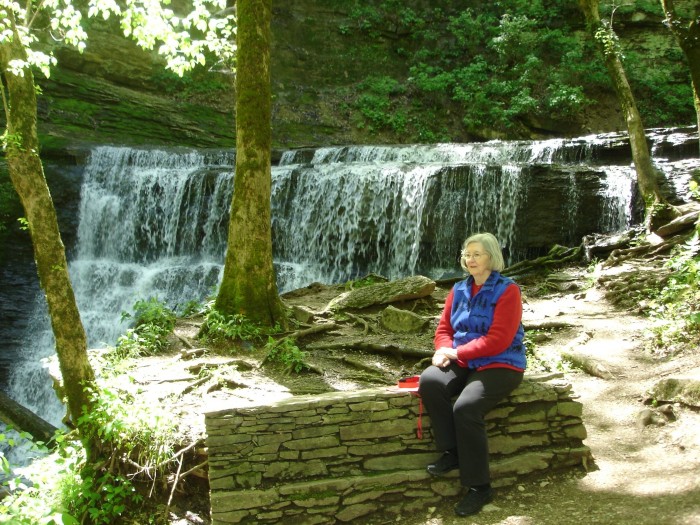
(22, 419)
(194, 352)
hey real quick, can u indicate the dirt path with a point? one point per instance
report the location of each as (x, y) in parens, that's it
(643, 475)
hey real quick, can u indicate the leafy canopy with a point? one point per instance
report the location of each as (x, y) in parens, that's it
(183, 39)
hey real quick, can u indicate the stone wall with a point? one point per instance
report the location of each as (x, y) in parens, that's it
(336, 457)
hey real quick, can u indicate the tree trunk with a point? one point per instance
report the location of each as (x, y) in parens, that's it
(647, 176)
(249, 286)
(687, 34)
(24, 420)
(27, 175)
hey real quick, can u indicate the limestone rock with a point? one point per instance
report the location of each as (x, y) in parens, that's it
(303, 314)
(401, 321)
(405, 289)
(680, 390)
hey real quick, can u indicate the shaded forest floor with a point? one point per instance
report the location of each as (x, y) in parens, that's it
(643, 474)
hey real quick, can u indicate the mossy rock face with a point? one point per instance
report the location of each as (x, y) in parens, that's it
(84, 108)
(329, 86)
(674, 390)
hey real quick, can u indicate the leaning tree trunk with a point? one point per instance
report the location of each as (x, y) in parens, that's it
(22, 419)
(249, 285)
(687, 34)
(647, 177)
(27, 175)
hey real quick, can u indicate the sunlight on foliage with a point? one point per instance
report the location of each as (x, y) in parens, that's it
(132, 428)
(220, 329)
(675, 309)
(153, 322)
(185, 38)
(62, 488)
(205, 30)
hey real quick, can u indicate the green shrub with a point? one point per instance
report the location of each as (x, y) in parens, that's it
(287, 354)
(504, 61)
(136, 439)
(377, 104)
(219, 328)
(153, 322)
(674, 308)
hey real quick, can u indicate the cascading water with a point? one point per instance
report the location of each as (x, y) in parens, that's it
(154, 223)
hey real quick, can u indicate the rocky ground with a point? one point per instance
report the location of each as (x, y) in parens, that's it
(644, 473)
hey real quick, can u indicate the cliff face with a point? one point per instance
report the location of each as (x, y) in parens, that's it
(117, 93)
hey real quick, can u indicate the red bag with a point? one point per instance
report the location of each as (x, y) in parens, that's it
(409, 382)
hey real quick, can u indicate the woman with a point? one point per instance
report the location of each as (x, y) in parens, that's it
(479, 359)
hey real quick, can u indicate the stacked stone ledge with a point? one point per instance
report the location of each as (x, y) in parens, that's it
(338, 457)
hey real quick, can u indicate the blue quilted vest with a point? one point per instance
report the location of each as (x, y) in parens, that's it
(471, 318)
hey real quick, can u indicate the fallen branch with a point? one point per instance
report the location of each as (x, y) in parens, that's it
(587, 364)
(194, 385)
(196, 467)
(357, 364)
(23, 419)
(176, 455)
(172, 492)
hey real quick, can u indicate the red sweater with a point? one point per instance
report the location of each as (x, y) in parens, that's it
(506, 320)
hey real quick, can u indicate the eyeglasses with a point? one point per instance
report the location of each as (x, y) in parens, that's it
(475, 256)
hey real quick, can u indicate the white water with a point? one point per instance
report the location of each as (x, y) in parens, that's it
(154, 224)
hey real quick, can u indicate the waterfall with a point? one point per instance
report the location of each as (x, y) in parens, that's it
(153, 223)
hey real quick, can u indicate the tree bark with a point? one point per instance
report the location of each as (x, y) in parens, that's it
(647, 176)
(23, 419)
(687, 34)
(27, 175)
(249, 286)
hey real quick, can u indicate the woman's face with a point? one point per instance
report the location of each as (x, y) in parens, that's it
(478, 261)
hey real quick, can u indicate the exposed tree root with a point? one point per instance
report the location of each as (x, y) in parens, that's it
(393, 350)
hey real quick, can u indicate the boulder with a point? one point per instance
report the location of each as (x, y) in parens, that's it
(677, 390)
(401, 321)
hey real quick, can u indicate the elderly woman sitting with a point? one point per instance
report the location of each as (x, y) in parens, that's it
(479, 359)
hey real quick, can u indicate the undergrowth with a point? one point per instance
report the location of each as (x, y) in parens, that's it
(132, 446)
(136, 443)
(675, 308)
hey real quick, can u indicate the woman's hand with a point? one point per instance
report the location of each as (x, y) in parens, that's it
(443, 356)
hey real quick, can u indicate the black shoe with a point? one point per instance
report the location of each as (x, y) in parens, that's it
(447, 462)
(473, 502)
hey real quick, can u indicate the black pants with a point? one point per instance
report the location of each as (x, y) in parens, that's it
(461, 426)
